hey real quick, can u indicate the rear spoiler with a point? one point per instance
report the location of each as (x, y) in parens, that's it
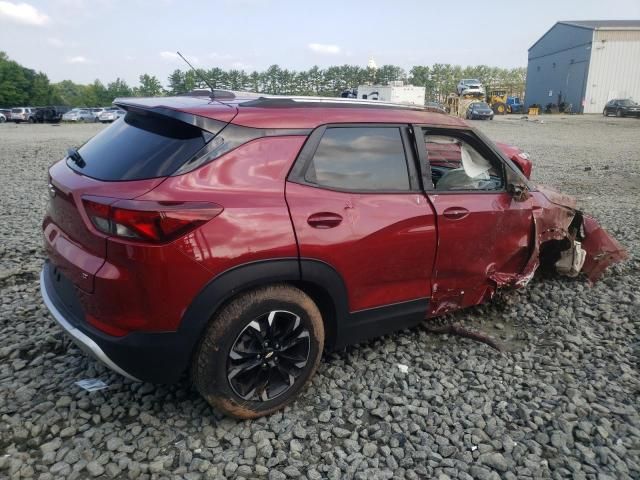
(163, 107)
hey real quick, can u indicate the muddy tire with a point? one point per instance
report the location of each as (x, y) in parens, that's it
(499, 108)
(259, 351)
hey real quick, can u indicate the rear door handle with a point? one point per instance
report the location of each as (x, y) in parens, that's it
(455, 213)
(324, 220)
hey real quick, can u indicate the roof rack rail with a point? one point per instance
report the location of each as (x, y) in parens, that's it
(275, 101)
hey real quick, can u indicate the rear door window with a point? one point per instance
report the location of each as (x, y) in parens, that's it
(360, 159)
(139, 146)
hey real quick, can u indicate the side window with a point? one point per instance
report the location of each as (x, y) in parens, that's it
(360, 158)
(456, 165)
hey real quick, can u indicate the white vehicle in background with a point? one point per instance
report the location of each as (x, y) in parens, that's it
(97, 112)
(79, 115)
(395, 92)
(2, 118)
(23, 114)
(111, 115)
(470, 86)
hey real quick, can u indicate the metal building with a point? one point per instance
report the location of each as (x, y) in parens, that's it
(585, 64)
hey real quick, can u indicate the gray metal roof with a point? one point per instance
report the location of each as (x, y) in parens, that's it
(605, 24)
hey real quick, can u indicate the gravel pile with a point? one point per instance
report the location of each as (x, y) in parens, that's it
(560, 402)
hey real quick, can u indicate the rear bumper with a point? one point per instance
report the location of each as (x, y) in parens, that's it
(86, 343)
(151, 357)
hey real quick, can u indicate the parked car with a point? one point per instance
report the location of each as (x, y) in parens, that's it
(6, 112)
(470, 86)
(621, 107)
(80, 115)
(2, 118)
(23, 114)
(96, 112)
(111, 115)
(237, 239)
(479, 111)
(50, 114)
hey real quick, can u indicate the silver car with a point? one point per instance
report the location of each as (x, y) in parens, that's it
(79, 115)
(23, 114)
(111, 115)
(468, 86)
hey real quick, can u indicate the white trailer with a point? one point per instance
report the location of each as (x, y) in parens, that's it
(408, 94)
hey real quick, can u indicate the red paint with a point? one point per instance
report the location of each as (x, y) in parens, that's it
(517, 156)
(493, 236)
(384, 247)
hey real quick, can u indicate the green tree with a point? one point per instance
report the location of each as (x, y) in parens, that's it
(118, 88)
(150, 86)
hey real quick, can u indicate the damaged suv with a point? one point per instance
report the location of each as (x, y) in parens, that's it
(237, 238)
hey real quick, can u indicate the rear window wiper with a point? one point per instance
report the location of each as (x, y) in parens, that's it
(75, 157)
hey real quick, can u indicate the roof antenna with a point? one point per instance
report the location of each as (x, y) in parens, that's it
(201, 77)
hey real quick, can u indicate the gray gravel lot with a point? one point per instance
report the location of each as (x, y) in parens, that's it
(561, 402)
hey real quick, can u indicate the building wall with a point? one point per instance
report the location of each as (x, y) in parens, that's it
(614, 70)
(558, 65)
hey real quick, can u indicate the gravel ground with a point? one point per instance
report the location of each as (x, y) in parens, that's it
(561, 402)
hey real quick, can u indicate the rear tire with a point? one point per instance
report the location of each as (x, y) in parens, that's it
(240, 366)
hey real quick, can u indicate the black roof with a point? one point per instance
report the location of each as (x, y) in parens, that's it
(604, 24)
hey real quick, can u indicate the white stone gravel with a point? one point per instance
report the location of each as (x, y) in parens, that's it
(561, 402)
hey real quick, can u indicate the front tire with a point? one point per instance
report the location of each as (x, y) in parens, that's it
(259, 351)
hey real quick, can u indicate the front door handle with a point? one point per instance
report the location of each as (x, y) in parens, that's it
(455, 213)
(324, 220)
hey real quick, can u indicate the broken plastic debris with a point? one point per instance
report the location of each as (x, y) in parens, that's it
(92, 384)
(473, 448)
(403, 368)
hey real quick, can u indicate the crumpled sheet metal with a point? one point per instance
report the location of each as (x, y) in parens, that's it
(602, 249)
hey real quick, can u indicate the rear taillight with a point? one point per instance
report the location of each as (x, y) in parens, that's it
(147, 221)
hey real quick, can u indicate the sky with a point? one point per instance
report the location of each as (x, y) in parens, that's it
(84, 40)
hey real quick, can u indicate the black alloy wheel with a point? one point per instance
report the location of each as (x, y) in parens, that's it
(268, 355)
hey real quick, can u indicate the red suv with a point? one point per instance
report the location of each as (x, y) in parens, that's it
(238, 238)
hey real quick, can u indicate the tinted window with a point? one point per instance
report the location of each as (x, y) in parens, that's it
(139, 146)
(360, 158)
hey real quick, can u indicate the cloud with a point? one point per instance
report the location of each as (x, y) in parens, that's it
(174, 57)
(22, 13)
(77, 59)
(55, 42)
(324, 48)
(220, 56)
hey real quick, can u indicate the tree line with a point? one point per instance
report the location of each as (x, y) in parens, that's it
(21, 86)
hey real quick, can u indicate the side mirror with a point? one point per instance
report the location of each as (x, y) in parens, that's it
(519, 192)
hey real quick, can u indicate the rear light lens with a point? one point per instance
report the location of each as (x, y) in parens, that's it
(147, 221)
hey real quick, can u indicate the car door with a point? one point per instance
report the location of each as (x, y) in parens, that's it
(485, 234)
(356, 204)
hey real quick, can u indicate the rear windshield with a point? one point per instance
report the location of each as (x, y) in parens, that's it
(139, 146)
(17, 110)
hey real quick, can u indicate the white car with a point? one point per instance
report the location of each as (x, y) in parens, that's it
(23, 114)
(79, 115)
(111, 115)
(470, 86)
